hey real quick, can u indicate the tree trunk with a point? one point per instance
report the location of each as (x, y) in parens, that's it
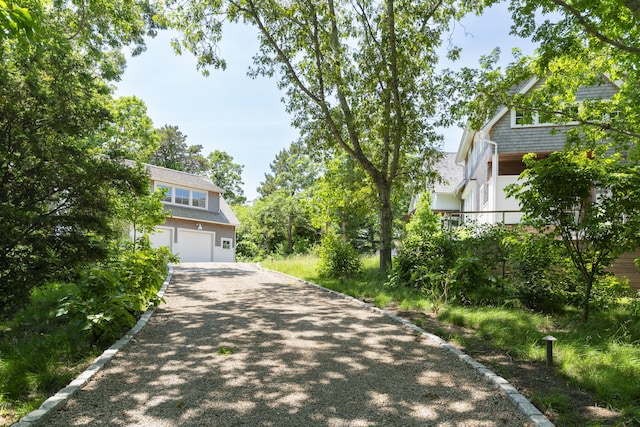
(290, 235)
(587, 298)
(343, 228)
(386, 227)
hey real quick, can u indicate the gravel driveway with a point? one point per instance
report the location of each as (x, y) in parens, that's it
(298, 356)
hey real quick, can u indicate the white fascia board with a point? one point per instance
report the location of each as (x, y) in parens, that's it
(465, 143)
(526, 88)
(204, 220)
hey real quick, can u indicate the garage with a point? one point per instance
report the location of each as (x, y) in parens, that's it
(195, 246)
(161, 237)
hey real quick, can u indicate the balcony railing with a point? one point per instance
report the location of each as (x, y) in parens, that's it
(456, 219)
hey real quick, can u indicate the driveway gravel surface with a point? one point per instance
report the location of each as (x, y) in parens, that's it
(238, 346)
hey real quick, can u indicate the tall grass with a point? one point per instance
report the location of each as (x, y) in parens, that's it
(39, 353)
(602, 356)
(370, 286)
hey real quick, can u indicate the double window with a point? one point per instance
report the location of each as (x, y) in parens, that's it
(590, 110)
(545, 118)
(184, 196)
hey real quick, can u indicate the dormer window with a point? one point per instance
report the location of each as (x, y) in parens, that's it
(521, 118)
(167, 193)
(184, 196)
(198, 199)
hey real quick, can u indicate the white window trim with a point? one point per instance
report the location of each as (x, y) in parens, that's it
(535, 118)
(191, 190)
(223, 241)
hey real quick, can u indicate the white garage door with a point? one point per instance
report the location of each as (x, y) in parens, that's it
(195, 246)
(161, 237)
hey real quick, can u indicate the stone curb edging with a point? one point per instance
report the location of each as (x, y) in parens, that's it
(55, 402)
(518, 400)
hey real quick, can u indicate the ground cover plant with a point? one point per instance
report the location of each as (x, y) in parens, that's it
(595, 379)
(67, 324)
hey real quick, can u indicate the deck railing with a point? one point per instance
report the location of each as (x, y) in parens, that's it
(455, 219)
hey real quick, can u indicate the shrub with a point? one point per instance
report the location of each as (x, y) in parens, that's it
(338, 259)
(425, 260)
(110, 296)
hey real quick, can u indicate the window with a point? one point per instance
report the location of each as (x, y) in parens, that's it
(523, 118)
(167, 194)
(226, 244)
(198, 199)
(545, 118)
(182, 196)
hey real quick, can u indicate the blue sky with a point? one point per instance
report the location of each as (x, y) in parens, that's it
(245, 117)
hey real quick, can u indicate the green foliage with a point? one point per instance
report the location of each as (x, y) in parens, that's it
(279, 222)
(342, 200)
(57, 211)
(227, 174)
(338, 259)
(426, 260)
(359, 79)
(174, 153)
(226, 351)
(423, 220)
(15, 21)
(65, 324)
(130, 134)
(110, 296)
(557, 196)
(495, 266)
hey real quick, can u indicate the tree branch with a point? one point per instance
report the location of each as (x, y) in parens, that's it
(593, 31)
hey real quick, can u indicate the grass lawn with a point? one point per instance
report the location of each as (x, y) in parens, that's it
(601, 357)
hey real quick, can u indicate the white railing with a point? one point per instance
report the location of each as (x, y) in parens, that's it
(455, 219)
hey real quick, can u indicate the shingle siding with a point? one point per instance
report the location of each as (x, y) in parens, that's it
(525, 139)
(214, 202)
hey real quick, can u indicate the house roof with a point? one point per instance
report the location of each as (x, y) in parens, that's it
(225, 216)
(469, 134)
(451, 172)
(171, 176)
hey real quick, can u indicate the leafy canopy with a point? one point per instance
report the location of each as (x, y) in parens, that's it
(359, 77)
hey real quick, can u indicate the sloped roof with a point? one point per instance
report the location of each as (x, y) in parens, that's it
(451, 172)
(225, 216)
(171, 176)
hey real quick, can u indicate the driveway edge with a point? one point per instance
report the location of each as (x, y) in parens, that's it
(55, 402)
(517, 399)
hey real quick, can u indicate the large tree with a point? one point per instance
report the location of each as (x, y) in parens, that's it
(174, 153)
(286, 192)
(227, 174)
(342, 200)
(131, 134)
(359, 76)
(57, 189)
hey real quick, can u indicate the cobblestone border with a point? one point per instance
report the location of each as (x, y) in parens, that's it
(518, 400)
(55, 402)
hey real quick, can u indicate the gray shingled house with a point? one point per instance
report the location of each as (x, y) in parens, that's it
(492, 159)
(492, 155)
(202, 226)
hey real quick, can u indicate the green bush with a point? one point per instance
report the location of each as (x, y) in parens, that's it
(110, 296)
(543, 279)
(338, 259)
(425, 260)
